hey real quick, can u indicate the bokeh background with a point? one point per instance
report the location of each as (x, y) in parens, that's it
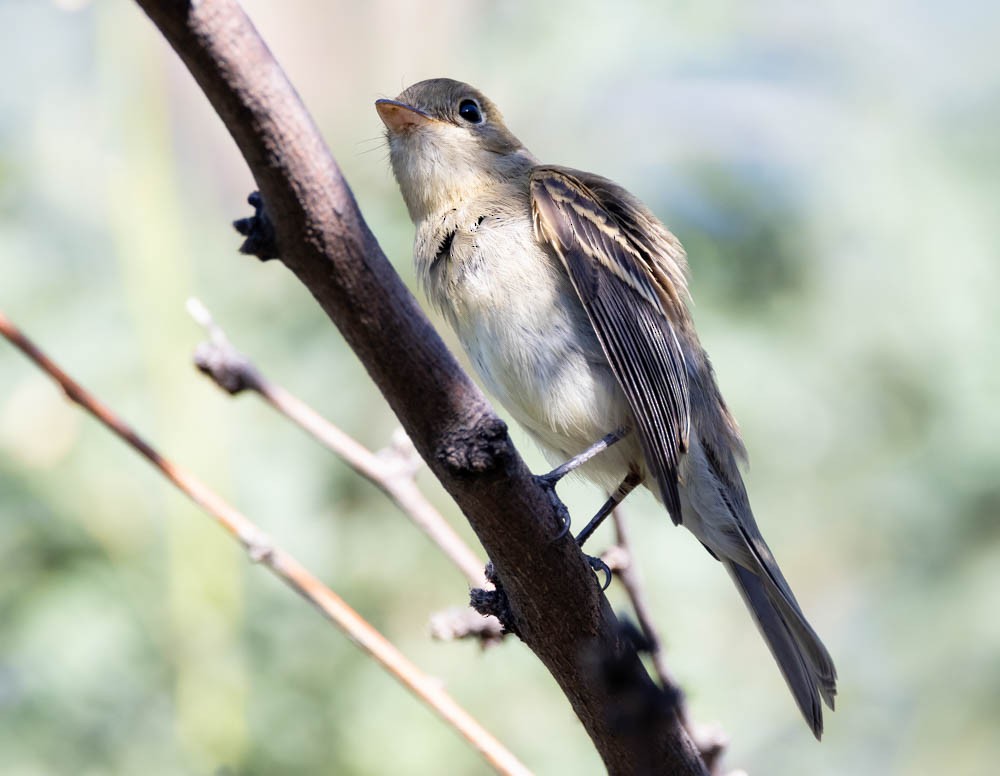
(832, 169)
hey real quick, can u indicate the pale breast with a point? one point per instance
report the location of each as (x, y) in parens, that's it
(518, 318)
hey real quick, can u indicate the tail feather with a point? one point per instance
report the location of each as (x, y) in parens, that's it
(717, 511)
(801, 656)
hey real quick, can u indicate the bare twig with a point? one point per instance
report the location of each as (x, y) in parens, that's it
(391, 470)
(710, 739)
(623, 564)
(466, 623)
(262, 550)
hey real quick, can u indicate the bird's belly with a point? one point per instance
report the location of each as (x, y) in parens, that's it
(542, 361)
(549, 387)
(565, 402)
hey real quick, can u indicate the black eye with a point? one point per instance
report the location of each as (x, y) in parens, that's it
(469, 110)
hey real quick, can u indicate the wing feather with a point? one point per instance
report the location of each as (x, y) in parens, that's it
(618, 259)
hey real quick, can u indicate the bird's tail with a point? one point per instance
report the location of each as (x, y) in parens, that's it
(804, 661)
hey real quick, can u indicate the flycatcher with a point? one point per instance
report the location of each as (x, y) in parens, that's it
(570, 298)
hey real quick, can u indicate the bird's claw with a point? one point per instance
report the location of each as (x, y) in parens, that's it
(565, 528)
(549, 485)
(598, 566)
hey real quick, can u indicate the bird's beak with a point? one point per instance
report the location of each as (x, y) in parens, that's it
(400, 117)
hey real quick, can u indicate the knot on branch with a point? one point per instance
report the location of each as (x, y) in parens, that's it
(228, 368)
(477, 448)
(494, 602)
(261, 240)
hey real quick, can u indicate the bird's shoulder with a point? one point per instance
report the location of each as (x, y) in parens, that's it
(604, 219)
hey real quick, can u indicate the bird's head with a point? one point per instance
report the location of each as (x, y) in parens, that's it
(447, 143)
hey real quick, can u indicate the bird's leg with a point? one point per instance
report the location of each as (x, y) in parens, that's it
(627, 486)
(549, 480)
(577, 461)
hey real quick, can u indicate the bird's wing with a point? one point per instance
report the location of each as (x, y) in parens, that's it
(628, 271)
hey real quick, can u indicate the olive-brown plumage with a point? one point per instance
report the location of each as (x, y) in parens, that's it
(570, 298)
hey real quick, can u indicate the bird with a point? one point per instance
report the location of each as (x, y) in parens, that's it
(570, 298)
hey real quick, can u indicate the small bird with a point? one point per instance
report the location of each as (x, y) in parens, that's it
(570, 298)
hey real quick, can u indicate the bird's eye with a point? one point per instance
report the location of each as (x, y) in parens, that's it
(469, 110)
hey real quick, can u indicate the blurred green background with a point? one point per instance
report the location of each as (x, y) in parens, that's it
(832, 169)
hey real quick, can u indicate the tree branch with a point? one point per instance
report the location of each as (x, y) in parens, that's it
(710, 739)
(553, 599)
(262, 550)
(391, 471)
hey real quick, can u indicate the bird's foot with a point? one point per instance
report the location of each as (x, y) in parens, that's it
(599, 566)
(549, 487)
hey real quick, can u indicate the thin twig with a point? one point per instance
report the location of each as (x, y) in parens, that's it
(262, 550)
(627, 572)
(391, 470)
(709, 739)
(466, 623)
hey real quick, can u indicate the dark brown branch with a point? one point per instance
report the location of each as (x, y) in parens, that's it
(552, 595)
(710, 740)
